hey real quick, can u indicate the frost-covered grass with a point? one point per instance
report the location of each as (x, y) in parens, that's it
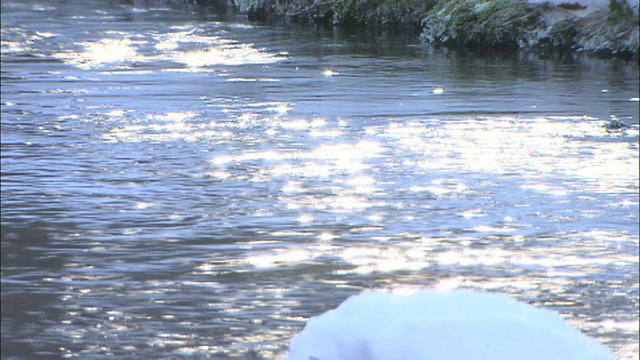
(611, 31)
(619, 37)
(478, 23)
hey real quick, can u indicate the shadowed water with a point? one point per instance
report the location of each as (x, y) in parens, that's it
(175, 184)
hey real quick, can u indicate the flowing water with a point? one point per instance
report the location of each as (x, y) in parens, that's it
(181, 185)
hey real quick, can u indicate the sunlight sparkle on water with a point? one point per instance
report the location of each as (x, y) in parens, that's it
(177, 47)
(329, 73)
(226, 55)
(106, 51)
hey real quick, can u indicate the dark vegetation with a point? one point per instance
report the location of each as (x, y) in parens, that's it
(479, 24)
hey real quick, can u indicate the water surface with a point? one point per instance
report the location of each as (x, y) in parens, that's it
(175, 184)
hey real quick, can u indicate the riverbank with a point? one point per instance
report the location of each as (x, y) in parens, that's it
(602, 28)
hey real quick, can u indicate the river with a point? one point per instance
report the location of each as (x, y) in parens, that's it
(181, 185)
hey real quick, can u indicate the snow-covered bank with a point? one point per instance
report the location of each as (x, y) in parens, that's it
(427, 324)
(590, 4)
(605, 28)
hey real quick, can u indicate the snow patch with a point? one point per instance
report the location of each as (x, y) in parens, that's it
(452, 325)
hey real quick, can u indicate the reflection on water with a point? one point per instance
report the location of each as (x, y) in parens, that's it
(26, 297)
(176, 185)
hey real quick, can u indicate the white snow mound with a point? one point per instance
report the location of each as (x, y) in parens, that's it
(435, 325)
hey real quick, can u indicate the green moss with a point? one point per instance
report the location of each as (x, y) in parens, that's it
(478, 23)
(619, 8)
(513, 24)
(558, 38)
(618, 38)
